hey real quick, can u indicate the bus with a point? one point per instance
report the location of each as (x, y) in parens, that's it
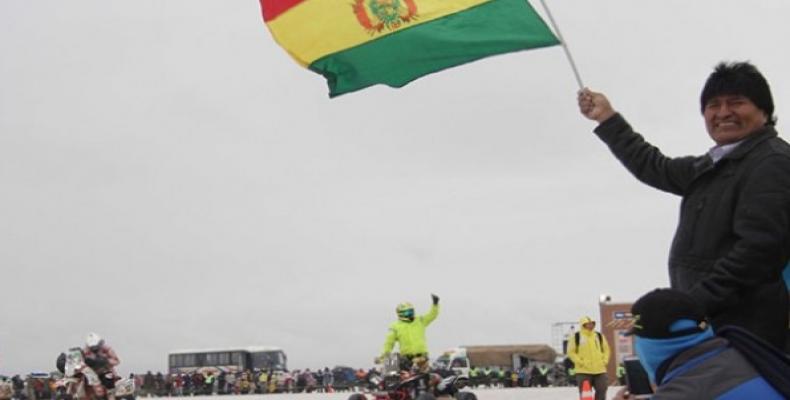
(233, 359)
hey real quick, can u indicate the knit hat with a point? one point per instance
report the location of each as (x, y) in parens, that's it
(655, 312)
(743, 79)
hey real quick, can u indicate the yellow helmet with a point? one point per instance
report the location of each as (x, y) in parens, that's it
(405, 312)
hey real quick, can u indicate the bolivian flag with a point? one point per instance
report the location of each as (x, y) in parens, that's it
(359, 43)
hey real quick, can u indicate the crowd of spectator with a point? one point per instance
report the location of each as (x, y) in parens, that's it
(327, 380)
(533, 375)
(244, 382)
(207, 382)
(33, 387)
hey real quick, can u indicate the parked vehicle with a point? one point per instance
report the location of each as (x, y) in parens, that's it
(344, 377)
(461, 359)
(231, 359)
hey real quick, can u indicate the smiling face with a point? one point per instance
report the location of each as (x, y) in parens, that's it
(730, 118)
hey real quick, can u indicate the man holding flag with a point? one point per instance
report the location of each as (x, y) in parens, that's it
(733, 237)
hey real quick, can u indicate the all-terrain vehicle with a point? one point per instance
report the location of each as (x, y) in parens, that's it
(417, 383)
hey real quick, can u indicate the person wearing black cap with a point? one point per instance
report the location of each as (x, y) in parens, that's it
(733, 236)
(683, 357)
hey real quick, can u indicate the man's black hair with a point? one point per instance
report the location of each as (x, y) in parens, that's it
(743, 79)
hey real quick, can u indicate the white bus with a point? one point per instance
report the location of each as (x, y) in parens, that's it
(232, 359)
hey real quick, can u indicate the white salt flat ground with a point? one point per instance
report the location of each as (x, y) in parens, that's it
(564, 393)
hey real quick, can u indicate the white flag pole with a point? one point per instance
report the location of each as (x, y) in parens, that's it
(564, 45)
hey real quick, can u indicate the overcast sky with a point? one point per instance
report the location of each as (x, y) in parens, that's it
(170, 178)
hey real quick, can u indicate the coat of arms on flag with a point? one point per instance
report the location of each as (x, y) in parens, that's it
(377, 15)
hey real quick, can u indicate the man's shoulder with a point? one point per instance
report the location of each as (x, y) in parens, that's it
(762, 143)
(778, 145)
(771, 152)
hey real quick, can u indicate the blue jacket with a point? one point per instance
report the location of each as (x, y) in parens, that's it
(711, 370)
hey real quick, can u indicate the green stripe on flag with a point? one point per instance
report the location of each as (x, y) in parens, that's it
(495, 27)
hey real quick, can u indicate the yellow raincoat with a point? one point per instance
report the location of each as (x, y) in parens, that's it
(591, 356)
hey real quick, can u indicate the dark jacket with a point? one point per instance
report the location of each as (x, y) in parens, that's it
(711, 370)
(733, 236)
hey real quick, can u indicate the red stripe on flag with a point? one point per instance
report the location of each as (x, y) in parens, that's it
(273, 8)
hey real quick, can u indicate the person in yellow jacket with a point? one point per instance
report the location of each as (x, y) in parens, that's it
(409, 332)
(589, 352)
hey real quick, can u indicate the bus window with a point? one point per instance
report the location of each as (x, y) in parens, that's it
(229, 359)
(237, 359)
(265, 360)
(189, 360)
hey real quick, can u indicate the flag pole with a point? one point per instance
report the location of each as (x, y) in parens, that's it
(564, 45)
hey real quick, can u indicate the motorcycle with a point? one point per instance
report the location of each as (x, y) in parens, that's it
(81, 382)
(418, 383)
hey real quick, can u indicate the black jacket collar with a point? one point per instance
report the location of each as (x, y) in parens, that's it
(705, 163)
(759, 136)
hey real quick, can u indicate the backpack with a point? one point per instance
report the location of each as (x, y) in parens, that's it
(770, 362)
(577, 339)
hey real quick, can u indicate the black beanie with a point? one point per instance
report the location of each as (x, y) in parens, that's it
(743, 79)
(655, 312)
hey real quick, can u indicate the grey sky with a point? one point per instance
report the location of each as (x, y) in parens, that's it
(170, 178)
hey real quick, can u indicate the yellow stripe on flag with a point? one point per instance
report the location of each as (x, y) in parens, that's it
(316, 28)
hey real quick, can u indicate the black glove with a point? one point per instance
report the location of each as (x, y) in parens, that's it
(435, 299)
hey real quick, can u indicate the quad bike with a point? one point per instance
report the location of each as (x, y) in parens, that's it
(417, 383)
